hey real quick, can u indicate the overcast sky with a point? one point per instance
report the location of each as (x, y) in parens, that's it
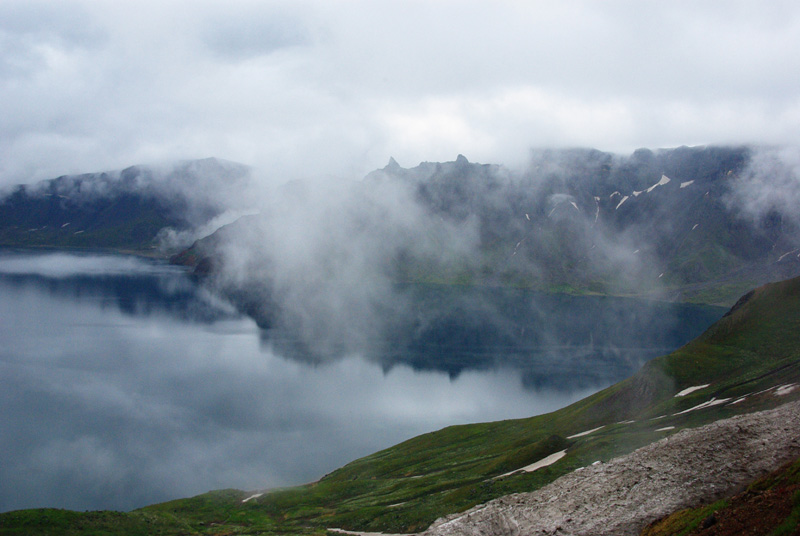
(333, 88)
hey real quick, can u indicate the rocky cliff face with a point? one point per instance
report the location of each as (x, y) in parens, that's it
(624, 495)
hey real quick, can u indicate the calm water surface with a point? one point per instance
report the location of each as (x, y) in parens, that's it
(123, 384)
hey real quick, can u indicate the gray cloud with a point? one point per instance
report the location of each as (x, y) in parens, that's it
(770, 183)
(253, 31)
(329, 89)
(328, 253)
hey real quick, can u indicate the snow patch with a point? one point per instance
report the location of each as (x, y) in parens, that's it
(65, 225)
(767, 390)
(785, 389)
(623, 200)
(687, 183)
(256, 496)
(692, 389)
(587, 432)
(544, 462)
(527, 217)
(664, 180)
(785, 254)
(665, 429)
(695, 226)
(574, 205)
(713, 402)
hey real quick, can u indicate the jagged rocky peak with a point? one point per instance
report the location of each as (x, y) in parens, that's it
(461, 160)
(392, 165)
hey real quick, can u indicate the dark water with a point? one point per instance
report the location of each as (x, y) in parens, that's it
(123, 384)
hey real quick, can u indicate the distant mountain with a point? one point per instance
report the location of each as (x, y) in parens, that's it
(128, 209)
(672, 219)
(686, 223)
(675, 224)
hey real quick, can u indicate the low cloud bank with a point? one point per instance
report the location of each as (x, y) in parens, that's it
(448, 252)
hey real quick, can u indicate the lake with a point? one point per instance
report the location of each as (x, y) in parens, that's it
(124, 383)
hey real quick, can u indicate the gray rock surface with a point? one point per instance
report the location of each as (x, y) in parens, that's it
(624, 495)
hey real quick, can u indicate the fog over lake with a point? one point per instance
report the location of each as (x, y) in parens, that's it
(124, 384)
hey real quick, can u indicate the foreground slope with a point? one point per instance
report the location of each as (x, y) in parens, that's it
(748, 361)
(768, 506)
(622, 496)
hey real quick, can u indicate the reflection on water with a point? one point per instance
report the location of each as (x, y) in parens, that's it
(129, 284)
(123, 384)
(554, 341)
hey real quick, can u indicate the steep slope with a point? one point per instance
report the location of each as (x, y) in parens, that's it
(620, 497)
(748, 361)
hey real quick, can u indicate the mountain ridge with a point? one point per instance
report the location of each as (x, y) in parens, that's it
(676, 223)
(588, 222)
(128, 209)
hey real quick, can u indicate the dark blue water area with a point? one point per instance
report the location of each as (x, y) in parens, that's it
(123, 383)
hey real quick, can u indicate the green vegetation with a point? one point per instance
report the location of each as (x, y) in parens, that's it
(790, 524)
(770, 505)
(685, 521)
(754, 348)
(48, 521)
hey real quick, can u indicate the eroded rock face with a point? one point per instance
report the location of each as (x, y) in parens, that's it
(625, 494)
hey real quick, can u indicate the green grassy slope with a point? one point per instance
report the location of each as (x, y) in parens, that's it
(745, 358)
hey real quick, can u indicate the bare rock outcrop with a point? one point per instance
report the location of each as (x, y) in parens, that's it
(624, 495)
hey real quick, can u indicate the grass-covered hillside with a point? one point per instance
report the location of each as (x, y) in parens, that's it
(747, 361)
